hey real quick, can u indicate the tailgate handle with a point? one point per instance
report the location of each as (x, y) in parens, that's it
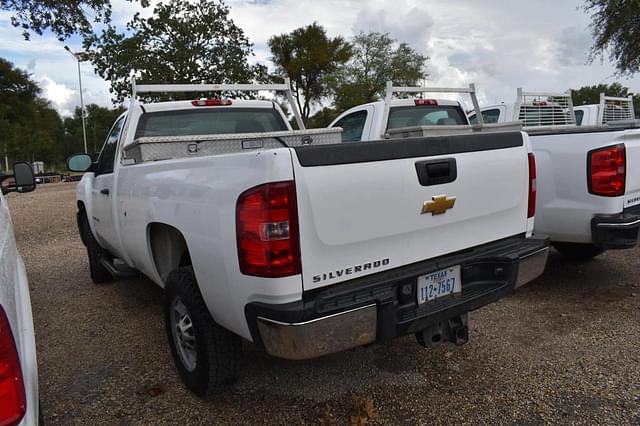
(436, 172)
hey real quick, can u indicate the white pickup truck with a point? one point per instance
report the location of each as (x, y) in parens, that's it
(610, 110)
(588, 176)
(297, 242)
(19, 403)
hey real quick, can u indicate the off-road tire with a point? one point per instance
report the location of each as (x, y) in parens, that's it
(218, 351)
(99, 274)
(578, 251)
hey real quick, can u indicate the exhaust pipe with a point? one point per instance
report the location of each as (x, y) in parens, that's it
(454, 330)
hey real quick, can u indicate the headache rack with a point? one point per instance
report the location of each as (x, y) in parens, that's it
(615, 109)
(442, 130)
(214, 87)
(156, 148)
(544, 109)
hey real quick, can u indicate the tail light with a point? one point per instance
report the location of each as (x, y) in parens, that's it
(211, 102)
(13, 402)
(267, 230)
(422, 102)
(606, 174)
(531, 211)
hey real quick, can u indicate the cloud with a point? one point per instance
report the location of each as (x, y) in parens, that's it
(537, 45)
(58, 94)
(572, 46)
(405, 23)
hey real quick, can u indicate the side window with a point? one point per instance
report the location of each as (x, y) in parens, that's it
(491, 116)
(108, 153)
(579, 117)
(352, 126)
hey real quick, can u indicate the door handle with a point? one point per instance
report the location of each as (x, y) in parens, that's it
(104, 191)
(436, 172)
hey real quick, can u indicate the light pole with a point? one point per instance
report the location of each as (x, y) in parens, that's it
(84, 131)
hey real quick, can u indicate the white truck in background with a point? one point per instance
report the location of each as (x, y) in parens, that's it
(19, 402)
(413, 116)
(297, 242)
(588, 176)
(610, 110)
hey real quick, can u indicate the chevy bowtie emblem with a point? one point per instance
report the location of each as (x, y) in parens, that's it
(439, 204)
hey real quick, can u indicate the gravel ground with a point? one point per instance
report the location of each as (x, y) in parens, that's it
(564, 349)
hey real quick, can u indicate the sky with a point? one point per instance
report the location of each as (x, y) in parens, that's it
(539, 45)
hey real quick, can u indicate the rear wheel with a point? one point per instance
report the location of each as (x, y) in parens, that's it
(578, 251)
(99, 274)
(205, 354)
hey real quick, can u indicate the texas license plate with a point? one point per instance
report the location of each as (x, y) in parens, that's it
(439, 284)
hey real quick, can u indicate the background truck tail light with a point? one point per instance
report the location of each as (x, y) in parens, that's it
(211, 102)
(607, 169)
(422, 102)
(267, 230)
(12, 397)
(531, 211)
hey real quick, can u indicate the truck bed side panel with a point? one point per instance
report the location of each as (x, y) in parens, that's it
(198, 196)
(564, 206)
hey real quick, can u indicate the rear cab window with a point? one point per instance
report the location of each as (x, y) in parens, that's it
(209, 121)
(427, 115)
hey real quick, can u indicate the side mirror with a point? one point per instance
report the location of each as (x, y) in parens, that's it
(23, 178)
(79, 163)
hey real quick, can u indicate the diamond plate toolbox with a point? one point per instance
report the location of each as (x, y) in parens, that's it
(170, 147)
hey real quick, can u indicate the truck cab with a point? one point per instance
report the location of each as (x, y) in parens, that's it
(610, 109)
(374, 120)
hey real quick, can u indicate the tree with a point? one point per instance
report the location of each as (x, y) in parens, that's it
(29, 126)
(591, 94)
(98, 122)
(308, 57)
(322, 118)
(62, 17)
(377, 58)
(181, 43)
(615, 25)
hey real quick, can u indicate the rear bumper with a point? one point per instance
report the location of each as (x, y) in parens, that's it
(383, 306)
(619, 231)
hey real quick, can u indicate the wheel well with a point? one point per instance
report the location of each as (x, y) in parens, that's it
(82, 212)
(168, 248)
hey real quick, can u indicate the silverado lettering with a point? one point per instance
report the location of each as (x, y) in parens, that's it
(350, 270)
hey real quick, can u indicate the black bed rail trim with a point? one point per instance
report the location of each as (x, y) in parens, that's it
(394, 149)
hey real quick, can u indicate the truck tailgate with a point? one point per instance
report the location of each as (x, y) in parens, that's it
(362, 206)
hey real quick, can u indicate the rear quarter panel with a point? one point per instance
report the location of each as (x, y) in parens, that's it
(15, 300)
(565, 207)
(198, 197)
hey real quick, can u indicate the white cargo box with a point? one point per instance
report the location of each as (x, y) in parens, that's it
(158, 148)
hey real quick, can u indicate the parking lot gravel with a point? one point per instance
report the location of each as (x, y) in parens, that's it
(564, 349)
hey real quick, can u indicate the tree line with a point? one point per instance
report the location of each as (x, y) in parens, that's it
(32, 130)
(187, 42)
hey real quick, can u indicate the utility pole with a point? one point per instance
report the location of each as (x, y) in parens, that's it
(84, 130)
